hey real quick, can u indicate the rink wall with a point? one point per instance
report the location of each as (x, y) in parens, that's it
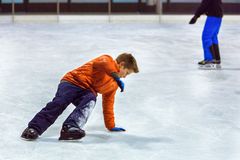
(107, 18)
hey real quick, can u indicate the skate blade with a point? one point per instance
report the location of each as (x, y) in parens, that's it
(70, 138)
(210, 67)
(25, 139)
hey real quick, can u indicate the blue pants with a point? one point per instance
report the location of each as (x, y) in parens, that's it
(209, 35)
(67, 93)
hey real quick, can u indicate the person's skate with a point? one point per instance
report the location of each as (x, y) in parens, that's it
(217, 64)
(29, 134)
(71, 133)
(210, 65)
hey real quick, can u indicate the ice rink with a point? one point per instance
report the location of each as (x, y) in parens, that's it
(170, 109)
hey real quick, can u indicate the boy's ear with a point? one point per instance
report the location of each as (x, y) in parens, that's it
(122, 63)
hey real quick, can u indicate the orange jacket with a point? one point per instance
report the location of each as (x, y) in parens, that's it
(96, 76)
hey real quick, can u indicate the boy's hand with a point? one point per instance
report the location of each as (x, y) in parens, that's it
(193, 20)
(117, 129)
(120, 84)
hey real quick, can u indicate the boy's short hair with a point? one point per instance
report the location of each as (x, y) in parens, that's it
(129, 61)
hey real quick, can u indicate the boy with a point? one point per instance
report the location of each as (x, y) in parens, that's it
(214, 12)
(80, 87)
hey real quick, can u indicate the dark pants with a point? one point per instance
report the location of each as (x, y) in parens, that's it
(67, 93)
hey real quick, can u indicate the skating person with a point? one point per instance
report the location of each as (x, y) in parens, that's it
(80, 87)
(214, 12)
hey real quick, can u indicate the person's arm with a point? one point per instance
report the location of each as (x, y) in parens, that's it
(108, 111)
(201, 9)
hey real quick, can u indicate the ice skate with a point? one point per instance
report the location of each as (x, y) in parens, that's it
(29, 134)
(210, 65)
(71, 133)
(203, 62)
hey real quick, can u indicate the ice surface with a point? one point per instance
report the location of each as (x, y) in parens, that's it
(171, 110)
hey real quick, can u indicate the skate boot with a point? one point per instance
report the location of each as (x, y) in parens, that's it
(203, 62)
(212, 64)
(69, 132)
(29, 134)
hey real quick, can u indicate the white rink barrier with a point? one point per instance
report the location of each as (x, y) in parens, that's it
(108, 18)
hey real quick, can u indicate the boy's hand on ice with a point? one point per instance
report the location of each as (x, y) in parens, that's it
(193, 20)
(117, 129)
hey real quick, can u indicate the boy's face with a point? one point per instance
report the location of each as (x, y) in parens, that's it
(124, 72)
